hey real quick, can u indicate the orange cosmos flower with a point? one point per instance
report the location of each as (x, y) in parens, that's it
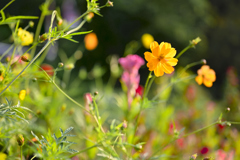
(206, 76)
(161, 59)
(91, 41)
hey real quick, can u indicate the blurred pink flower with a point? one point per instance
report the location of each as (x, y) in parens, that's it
(139, 90)
(131, 63)
(130, 76)
(221, 155)
(87, 100)
(75, 158)
(204, 150)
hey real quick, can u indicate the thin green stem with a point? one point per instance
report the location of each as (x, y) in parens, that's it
(69, 97)
(146, 85)
(184, 50)
(150, 84)
(44, 54)
(84, 150)
(39, 26)
(142, 103)
(84, 14)
(173, 140)
(65, 94)
(6, 52)
(21, 152)
(77, 28)
(39, 53)
(233, 122)
(200, 129)
(96, 108)
(33, 157)
(10, 61)
(189, 66)
(7, 5)
(98, 145)
(172, 83)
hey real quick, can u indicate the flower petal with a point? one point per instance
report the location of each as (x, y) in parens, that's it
(153, 45)
(199, 79)
(165, 49)
(158, 71)
(149, 56)
(171, 61)
(152, 64)
(207, 83)
(171, 53)
(167, 68)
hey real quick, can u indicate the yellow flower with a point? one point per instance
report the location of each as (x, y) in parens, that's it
(206, 76)
(161, 59)
(3, 156)
(25, 36)
(147, 39)
(22, 94)
(91, 41)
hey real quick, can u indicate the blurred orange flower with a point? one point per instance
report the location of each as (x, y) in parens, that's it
(161, 59)
(91, 41)
(206, 76)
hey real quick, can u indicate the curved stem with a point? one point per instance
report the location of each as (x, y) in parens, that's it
(70, 97)
(39, 53)
(217, 122)
(21, 152)
(189, 66)
(10, 61)
(173, 140)
(33, 157)
(6, 52)
(184, 50)
(172, 83)
(37, 33)
(142, 103)
(150, 84)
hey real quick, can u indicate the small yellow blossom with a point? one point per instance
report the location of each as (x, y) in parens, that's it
(161, 59)
(22, 94)
(3, 156)
(91, 41)
(25, 36)
(147, 39)
(206, 76)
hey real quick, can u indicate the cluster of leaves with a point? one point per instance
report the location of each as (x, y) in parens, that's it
(9, 112)
(53, 147)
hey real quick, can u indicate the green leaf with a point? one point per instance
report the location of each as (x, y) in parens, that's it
(61, 131)
(71, 40)
(35, 136)
(68, 130)
(80, 33)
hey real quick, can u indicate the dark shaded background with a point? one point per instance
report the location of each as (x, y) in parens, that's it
(216, 22)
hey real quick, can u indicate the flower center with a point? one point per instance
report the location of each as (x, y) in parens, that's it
(160, 58)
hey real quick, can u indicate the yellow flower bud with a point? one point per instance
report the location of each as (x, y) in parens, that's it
(22, 94)
(147, 39)
(3, 156)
